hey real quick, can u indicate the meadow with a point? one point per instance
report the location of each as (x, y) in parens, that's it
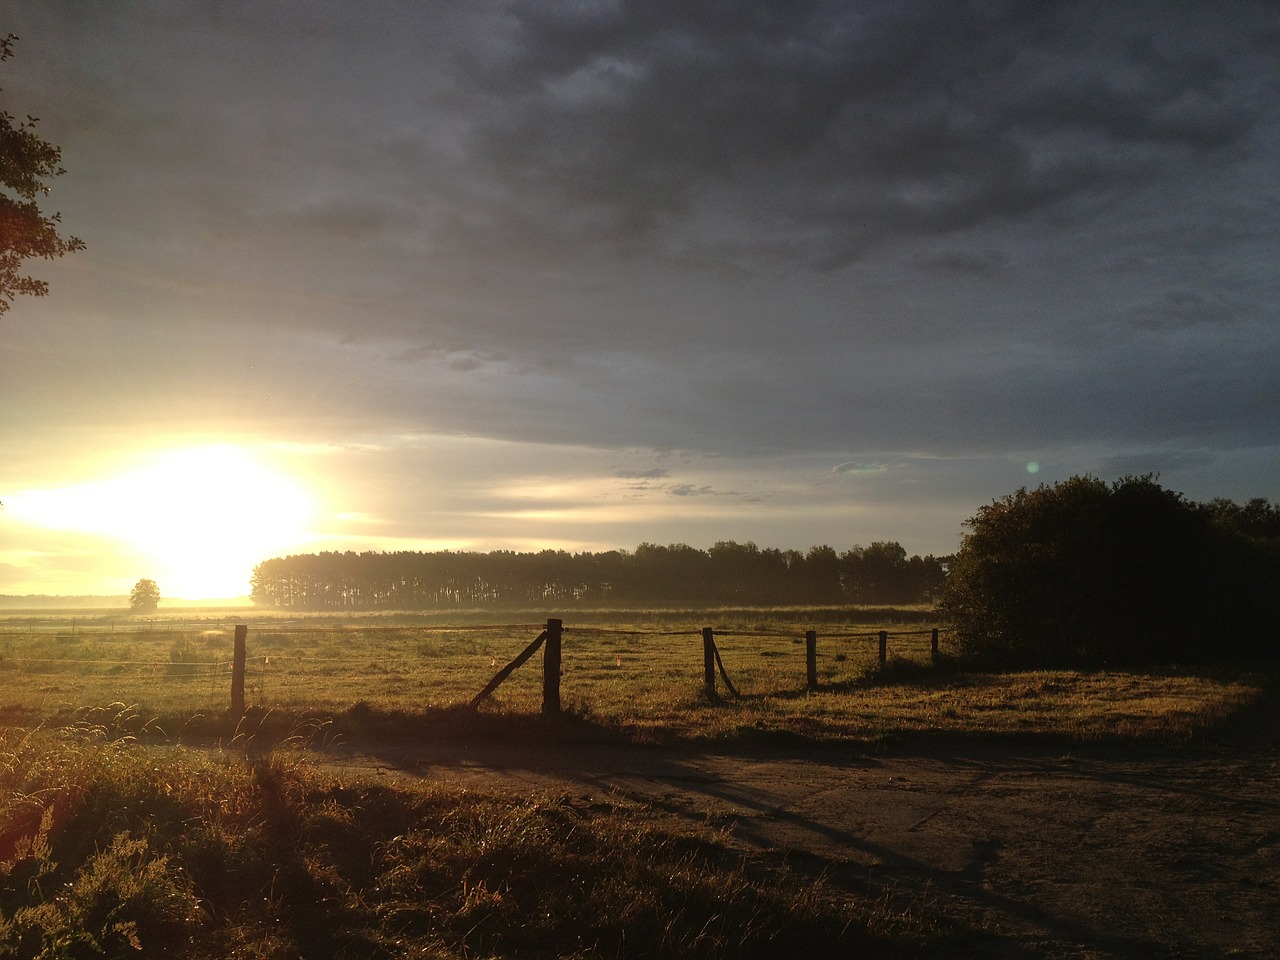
(634, 674)
(235, 840)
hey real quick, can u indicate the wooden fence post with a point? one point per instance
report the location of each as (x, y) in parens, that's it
(933, 644)
(811, 658)
(709, 662)
(551, 668)
(884, 647)
(237, 670)
(506, 671)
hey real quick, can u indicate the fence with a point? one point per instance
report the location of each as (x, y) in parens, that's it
(249, 674)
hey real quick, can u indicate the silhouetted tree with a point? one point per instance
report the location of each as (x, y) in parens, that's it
(27, 164)
(1083, 572)
(145, 597)
(821, 575)
(676, 573)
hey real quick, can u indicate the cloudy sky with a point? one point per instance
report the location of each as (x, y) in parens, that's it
(485, 275)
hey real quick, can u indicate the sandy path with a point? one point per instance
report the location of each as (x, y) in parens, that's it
(1095, 853)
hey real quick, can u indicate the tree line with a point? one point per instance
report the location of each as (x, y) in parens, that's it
(652, 574)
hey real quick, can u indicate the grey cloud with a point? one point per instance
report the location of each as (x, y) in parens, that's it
(412, 355)
(465, 364)
(860, 467)
(984, 264)
(689, 490)
(1169, 109)
(1128, 396)
(526, 145)
(1194, 391)
(632, 200)
(458, 362)
(652, 474)
(1179, 309)
(342, 220)
(659, 124)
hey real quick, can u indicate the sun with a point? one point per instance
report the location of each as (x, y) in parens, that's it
(202, 516)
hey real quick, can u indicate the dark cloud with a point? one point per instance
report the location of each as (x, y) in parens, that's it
(746, 227)
(983, 264)
(1157, 462)
(1178, 309)
(808, 133)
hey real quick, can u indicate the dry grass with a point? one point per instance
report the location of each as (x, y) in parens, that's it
(108, 850)
(634, 674)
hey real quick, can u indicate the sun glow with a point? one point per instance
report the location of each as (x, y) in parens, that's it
(201, 517)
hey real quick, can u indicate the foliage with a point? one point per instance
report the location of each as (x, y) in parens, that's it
(108, 851)
(27, 164)
(729, 572)
(1083, 572)
(144, 597)
(121, 899)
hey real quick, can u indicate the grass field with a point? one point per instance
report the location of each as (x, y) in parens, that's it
(634, 673)
(108, 849)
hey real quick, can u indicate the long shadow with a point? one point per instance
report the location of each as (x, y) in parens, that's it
(600, 760)
(615, 771)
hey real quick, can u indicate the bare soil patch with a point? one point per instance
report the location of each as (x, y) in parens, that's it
(1030, 849)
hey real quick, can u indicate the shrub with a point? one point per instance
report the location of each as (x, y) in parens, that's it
(1085, 573)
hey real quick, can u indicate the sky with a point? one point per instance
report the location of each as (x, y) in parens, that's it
(524, 275)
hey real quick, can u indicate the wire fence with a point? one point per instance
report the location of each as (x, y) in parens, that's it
(188, 663)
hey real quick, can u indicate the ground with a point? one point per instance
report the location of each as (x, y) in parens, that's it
(1045, 851)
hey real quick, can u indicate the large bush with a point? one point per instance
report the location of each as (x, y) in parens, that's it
(1085, 572)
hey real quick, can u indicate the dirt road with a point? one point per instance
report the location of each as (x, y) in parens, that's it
(1092, 853)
